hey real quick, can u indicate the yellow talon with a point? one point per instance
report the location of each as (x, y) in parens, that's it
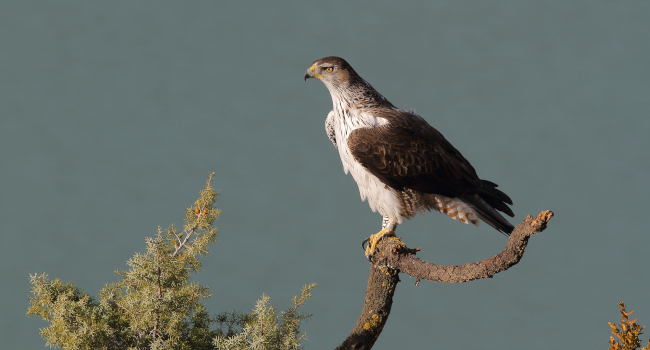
(374, 240)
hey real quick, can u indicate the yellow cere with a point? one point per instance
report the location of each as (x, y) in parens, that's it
(313, 70)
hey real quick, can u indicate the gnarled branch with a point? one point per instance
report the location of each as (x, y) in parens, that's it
(392, 257)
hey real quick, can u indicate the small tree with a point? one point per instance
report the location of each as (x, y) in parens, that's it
(155, 306)
(627, 333)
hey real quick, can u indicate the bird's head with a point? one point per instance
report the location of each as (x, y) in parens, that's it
(333, 71)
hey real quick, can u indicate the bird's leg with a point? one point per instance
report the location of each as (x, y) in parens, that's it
(387, 230)
(385, 223)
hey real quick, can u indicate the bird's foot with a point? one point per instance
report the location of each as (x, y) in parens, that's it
(375, 239)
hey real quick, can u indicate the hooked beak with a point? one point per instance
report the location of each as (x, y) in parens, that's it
(310, 72)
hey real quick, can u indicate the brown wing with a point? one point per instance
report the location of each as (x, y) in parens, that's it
(409, 153)
(412, 154)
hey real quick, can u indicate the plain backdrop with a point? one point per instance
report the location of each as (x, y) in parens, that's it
(113, 114)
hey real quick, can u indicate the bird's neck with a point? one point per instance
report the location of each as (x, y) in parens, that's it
(356, 95)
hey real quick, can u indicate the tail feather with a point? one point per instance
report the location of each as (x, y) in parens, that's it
(495, 198)
(487, 212)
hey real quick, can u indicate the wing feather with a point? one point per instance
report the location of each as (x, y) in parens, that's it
(409, 153)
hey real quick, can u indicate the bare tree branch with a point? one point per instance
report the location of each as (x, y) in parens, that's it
(392, 257)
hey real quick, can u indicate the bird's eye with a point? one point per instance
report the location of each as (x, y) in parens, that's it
(329, 69)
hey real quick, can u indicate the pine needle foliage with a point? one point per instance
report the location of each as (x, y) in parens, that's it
(265, 330)
(627, 332)
(154, 305)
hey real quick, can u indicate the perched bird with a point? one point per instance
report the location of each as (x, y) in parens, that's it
(403, 166)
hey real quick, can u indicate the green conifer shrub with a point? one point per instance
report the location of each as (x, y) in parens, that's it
(155, 306)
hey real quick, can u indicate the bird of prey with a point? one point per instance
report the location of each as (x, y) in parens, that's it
(402, 165)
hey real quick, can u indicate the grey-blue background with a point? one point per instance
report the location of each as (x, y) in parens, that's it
(112, 115)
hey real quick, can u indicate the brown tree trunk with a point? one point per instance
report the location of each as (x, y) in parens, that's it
(392, 257)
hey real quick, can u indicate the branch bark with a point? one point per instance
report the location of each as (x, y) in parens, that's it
(392, 257)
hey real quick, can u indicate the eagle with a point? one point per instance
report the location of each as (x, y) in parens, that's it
(402, 165)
